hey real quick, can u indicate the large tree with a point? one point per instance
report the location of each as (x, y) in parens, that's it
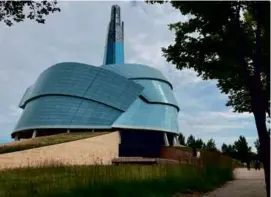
(18, 11)
(229, 41)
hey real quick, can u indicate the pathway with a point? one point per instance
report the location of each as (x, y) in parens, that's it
(246, 184)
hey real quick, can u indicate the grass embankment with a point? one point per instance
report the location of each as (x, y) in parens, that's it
(113, 181)
(45, 141)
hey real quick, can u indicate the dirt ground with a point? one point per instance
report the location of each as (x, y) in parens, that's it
(246, 184)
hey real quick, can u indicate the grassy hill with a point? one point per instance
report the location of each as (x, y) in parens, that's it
(45, 141)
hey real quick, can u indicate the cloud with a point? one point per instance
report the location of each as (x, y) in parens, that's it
(78, 33)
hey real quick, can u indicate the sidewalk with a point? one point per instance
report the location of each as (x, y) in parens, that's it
(247, 184)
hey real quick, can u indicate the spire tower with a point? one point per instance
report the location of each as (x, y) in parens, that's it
(114, 50)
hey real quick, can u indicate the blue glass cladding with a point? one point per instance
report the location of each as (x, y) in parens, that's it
(157, 91)
(70, 95)
(66, 112)
(113, 90)
(136, 71)
(119, 53)
(49, 110)
(94, 114)
(88, 82)
(114, 53)
(142, 115)
(25, 97)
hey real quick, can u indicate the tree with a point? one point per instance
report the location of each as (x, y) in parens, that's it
(181, 139)
(243, 151)
(18, 11)
(257, 146)
(229, 150)
(224, 149)
(191, 141)
(199, 144)
(218, 42)
(210, 145)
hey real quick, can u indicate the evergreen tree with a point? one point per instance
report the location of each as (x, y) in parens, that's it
(181, 139)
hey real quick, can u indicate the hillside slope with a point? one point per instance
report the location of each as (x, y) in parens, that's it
(94, 150)
(45, 141)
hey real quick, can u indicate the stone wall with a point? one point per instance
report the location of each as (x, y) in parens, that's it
(96, 150)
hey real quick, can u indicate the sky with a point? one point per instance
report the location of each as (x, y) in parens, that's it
(78, 34)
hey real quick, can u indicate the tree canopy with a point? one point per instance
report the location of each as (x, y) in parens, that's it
(207, 43)
(18, 11)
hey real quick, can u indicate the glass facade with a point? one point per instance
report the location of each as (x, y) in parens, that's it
(74, 95)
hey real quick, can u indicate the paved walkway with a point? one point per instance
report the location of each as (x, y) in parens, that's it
(246, 184)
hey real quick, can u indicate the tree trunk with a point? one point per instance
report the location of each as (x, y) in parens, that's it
(264, 142)
(256, 92)
(258, 100)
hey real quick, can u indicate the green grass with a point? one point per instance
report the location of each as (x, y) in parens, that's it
(45, 141)
(113, 181)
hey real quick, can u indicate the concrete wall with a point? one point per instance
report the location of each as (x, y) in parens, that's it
(95, 150)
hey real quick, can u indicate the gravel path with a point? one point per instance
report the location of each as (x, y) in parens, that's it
(246, 184)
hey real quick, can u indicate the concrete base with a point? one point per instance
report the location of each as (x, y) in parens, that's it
(34, 135)
(176, 141)
(166, 139)
(142, 161)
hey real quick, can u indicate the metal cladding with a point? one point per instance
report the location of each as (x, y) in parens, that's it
(114, 52)
(116, 95)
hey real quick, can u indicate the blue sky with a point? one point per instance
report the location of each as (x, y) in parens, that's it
(78, 33)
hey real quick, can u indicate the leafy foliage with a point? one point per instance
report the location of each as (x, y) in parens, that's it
(207, 43)
(18, 11)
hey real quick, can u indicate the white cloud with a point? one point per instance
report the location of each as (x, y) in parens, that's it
(15, 111)
(232, 115)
